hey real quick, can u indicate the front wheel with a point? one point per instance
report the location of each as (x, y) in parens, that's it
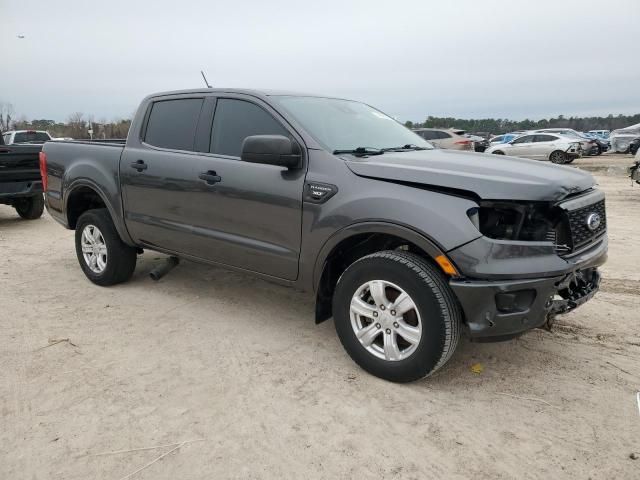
(104, 258)
(396, 316)
(558, 157)
(498, 152)
(30, 208)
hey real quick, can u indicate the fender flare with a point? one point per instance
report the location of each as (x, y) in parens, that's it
(419, 239)
(88, 183)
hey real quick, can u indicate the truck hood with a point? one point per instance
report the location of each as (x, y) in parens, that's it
(490, 177)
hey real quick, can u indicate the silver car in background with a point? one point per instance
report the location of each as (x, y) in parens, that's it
(540, 146)
(621, 138)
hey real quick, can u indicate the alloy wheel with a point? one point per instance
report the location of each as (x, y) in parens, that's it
(385, 320)
(94, 248)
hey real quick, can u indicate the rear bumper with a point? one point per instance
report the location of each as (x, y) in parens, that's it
(9, 190)
(507, 307)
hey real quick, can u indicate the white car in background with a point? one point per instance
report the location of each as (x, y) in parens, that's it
(586, 143)
(540, 146)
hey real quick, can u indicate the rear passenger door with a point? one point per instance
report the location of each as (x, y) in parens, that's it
(159, 173)
(543, 145)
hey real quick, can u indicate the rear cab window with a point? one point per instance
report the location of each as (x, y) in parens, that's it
(24, 137)
(172, 123)
(234, 120)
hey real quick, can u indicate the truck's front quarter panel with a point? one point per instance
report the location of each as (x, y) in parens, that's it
(438, 218)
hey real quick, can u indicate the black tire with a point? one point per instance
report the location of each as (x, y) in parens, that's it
(569, 160)
(121, 258)
(498, 152)
(558, 157)
(436, 304)
(30, 208)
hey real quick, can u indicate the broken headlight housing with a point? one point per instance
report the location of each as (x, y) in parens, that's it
(522, 221)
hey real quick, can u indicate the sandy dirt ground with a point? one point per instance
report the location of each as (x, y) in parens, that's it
(235, 367)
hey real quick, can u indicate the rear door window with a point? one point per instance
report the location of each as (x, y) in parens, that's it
(525, 139)
(544, 138)
(234, 120)
(172, 123)
(442, 134)
(428, 134)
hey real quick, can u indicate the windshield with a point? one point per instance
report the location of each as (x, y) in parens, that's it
(347, 125)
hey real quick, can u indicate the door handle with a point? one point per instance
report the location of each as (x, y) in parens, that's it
(139, 165)
(210, 177)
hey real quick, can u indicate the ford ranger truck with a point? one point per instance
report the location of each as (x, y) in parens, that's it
(404, 245)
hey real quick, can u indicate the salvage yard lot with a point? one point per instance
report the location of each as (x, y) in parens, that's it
(236, 367)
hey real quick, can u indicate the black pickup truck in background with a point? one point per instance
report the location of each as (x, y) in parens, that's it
(20, 179)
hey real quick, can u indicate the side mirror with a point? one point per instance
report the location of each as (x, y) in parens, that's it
(271, 150)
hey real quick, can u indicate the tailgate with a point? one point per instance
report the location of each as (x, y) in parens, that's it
(19, 164)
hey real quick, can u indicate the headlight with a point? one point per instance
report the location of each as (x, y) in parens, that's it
(520, 221)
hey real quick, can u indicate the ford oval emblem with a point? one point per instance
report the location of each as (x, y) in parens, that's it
(593, 221)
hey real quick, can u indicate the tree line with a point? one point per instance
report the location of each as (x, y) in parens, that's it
(76, 126)
(503, 125)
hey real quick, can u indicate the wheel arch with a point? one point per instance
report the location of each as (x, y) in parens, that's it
(86, 195)
(355, 241)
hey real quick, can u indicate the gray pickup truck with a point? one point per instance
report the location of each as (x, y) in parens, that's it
(402, 244)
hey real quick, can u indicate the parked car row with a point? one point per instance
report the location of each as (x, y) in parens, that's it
(559, 145)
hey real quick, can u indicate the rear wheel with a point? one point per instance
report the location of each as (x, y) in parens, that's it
(104, 258)
(558, 156)
(30, 208)
(396, 316)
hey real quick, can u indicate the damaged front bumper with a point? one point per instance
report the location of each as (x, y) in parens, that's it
(502, 310)
(502, 307)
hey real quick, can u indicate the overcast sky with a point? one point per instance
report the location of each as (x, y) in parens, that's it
(463, 58)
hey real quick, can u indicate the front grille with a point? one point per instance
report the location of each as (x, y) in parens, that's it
(581, 234)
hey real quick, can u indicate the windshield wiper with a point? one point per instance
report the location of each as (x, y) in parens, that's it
(409, 146)
(361, 151)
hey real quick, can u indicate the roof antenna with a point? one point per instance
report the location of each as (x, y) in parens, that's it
(205, 79)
